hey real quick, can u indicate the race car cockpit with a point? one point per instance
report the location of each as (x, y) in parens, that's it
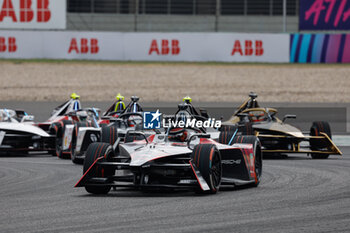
(250, 103)
(183, 125)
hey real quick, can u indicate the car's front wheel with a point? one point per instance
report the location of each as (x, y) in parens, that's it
(317, 128)
(206, 157)
(95, 151)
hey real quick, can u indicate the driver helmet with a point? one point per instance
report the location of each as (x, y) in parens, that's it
(82, 116)
(187, 99)
(74, 96)
(182, 136)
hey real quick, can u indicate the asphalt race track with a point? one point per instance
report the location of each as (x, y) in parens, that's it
(297, 194)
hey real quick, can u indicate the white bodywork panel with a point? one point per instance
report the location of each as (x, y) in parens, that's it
(142, 153)
(67, 137)
(2, 135)
(23, 127)
(81, 134)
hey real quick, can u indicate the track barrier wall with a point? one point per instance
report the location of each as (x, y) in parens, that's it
(201, 47)
(320, 48)
(191, 47)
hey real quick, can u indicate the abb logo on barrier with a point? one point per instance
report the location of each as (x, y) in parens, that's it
(85, 46)
(8, 44)
(248, 49)
(166, 47)
(26, 13)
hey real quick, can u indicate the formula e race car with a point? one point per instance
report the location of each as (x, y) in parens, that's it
(19, 133)
(275, 135)
(64, 116)
(112, 126)
(178, 158)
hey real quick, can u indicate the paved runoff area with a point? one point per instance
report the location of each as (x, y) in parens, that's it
(297, 194)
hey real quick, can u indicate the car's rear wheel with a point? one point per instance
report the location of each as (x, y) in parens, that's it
(95, 151)
(109, 134)
(206, 157)
(58, 128)
(247, 129)
(317, 128)
(228, 128)
(227, 134)
(249, 139)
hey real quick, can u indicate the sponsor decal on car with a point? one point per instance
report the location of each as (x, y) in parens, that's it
(231, 162)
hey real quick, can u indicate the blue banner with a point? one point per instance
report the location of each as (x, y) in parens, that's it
(324, 15)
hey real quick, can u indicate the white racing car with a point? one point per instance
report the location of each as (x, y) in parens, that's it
(109, 129)
(19, 134)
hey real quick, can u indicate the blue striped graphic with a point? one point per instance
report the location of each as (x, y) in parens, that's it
(294, 47)
(304, 48)
(316, 51)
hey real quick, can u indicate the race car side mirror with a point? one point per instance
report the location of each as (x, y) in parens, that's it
(288, 116)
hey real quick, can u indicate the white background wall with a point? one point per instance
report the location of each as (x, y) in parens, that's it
(136, 46)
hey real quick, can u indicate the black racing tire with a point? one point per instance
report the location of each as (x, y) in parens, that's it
(76, 157)
(109, 134)
(246, 129)
(228, 128)
(227, 133)
(207, 158)
(58, 128)
(103, 125)
(95, 151)
(258, 155)
(315, 130)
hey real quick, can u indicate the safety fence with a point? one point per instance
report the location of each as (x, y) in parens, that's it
(184, 7)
